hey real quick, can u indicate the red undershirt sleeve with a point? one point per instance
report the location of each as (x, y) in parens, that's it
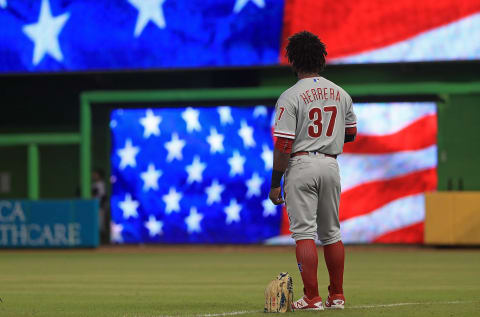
(284, 145)
(350, 134)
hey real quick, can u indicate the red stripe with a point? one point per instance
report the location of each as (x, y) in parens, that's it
(367, 197)
(418, 135)
(410, 234)
(351, 27)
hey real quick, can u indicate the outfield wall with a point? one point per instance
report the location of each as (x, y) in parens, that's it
(452, 218)
(48, 224)
(457, 113)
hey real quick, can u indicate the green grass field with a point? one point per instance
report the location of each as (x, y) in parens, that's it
(193, 281)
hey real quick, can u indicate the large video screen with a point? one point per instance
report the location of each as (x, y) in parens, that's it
(202, 175)
(77, 35)
(379, 31)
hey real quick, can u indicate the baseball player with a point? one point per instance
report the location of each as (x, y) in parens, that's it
(314, 118)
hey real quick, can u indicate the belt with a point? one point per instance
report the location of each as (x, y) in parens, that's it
(306, 153)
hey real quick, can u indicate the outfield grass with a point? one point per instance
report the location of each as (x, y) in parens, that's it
(197, 281)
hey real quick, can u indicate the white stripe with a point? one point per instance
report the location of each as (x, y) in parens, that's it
(282, 135)
(353, 307)
(231, 313)
(356, 169)
(284, 132)
(409, 304)
(455, 41)
(243, 312)
(388, 118)
(395, 215)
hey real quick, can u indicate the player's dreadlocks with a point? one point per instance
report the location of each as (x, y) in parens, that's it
(306, 52)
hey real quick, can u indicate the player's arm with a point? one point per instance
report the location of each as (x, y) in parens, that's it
(285, 127)
(281, 155)
(350, 122)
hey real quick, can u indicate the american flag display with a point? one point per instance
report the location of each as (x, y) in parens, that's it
(385, 173)
(196, 175)
(379, 31)
(202, 175)
(78, 35)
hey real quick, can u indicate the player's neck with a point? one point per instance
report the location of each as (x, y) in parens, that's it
(306, 75)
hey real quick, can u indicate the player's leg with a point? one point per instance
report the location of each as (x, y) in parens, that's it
(329, 230)
(301, 201)
(334, 258)
(301, 198)
(307, 261)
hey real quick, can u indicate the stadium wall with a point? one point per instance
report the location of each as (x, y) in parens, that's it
(52, 112)
(458, 143)
(452, 218)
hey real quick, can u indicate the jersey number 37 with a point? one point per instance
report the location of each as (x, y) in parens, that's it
(316, 127)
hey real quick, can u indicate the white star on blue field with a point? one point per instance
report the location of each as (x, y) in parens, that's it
(45, 33)
(193, 175)
(77, 35)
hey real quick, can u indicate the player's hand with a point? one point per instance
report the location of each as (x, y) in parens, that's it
(275, 195)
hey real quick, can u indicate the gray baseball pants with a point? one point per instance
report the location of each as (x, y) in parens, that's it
(312, 196)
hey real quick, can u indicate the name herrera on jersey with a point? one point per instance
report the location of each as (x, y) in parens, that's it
(314, 94)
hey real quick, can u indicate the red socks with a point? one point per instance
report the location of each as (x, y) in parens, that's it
(334, 258)
(307, 259)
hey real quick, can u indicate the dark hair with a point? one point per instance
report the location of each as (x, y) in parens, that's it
(306, 52)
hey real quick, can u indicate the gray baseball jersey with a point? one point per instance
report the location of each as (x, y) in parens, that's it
(314, 112)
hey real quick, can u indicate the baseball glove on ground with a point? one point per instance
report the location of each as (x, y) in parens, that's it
(279, 294)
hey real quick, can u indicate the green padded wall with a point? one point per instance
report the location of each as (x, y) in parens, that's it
(459, 143)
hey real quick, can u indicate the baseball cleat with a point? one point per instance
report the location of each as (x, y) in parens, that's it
(308, 304)
(335, 301)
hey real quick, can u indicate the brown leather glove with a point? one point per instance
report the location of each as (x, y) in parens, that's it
(279, 294)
